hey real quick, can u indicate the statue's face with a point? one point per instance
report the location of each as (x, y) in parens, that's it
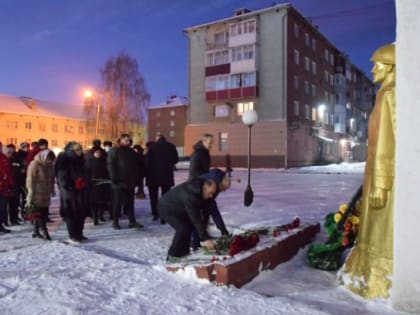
(379, 71)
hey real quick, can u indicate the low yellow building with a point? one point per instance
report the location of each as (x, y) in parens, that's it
(24, 119)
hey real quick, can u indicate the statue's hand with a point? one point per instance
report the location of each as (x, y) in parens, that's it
(378, 198)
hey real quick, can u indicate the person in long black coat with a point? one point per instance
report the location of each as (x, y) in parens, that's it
(181, 208)
(140, 184)
(99, 190)
(74, 195)
(123, 168)
(160, 162)
(200, 158)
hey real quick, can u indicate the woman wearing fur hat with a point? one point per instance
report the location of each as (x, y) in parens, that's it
(39, 186)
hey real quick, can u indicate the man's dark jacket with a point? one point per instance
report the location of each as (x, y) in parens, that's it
(185, 202)
(200, 160)
(123, 167)
(160, 161)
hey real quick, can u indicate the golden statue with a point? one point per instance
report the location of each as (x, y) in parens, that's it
(368, 268)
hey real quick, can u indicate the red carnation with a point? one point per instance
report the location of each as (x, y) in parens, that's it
(296, 223)
(79, 183)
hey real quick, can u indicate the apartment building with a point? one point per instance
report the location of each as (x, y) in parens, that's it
(169, 118)
(24, 119)
(312, 103)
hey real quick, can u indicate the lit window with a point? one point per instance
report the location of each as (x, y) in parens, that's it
(28, 125)
(172, 133)
(172, 112)
(54, 128)
(157, 114)
(243, 107)
(313, 113)
(172, 123)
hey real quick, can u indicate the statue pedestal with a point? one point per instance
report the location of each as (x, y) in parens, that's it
(245, 266)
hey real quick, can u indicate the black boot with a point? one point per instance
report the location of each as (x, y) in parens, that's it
(3, 229)
(45, 234)
(35, 232)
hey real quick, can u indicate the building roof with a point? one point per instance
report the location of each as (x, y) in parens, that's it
(172, 101)
(244, 13)
(34, 107)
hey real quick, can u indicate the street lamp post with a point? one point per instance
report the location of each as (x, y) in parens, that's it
(89, 95)
(249, 118)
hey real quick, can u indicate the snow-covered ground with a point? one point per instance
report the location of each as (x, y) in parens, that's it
(123, 272)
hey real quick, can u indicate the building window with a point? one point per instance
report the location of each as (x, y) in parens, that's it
(331, 80)
(313, 67)
(28, 125)
(332, 59)
(307, 39)
(327, 76)
(248, 79)
(11, 141)
(307, 111)
(68, 129)
(249, 26)
(222, 82)
(42, 127)
(172, 112)
(296, 30)
(12, 124)
(296, 108)
(326, 54)
(296, 57)
(221, 111)
(172, 123)
(221, 39)
(221, 57)
(54, 127)
(296, 82)
(54, 142)
(313, 44)
(158, 124)
(313, 113)
(313, 90)
(81, 130)
(243, 107)
(307, 64)
(223, 141)
(237, 54)
(172, 133)
(243, 27)
(157, 114)
(248, 52)
(306, 87)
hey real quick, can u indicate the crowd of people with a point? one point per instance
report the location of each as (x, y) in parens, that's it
(106, 179)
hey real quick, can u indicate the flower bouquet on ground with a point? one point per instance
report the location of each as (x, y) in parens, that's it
(234, 244)
(31, 212)
(342, 228)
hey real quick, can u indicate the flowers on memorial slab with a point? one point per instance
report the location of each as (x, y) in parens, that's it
(232, 245)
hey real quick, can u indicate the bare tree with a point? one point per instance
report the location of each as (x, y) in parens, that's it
(125, 97)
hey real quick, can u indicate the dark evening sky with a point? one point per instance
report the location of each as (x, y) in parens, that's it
(54, 49)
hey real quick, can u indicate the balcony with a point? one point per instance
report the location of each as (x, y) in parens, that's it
(237, 93)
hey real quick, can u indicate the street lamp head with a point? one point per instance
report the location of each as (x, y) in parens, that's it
(88, 93)
(249, 117)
